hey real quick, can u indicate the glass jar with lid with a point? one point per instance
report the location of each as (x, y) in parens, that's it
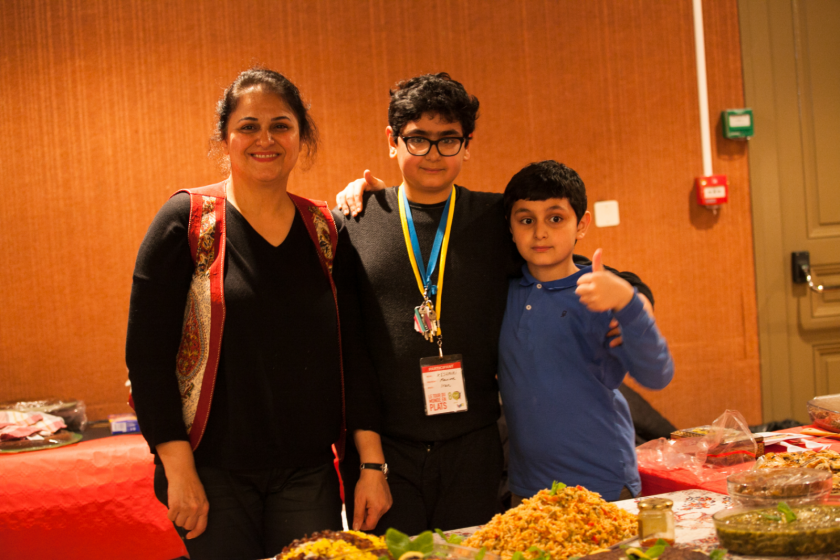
(656, 521)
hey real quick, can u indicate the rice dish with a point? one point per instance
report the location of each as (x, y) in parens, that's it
(349, 545)
(572, 522)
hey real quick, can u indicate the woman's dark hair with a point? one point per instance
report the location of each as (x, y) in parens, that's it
(435, 94)
(544, 180)
(279, 85)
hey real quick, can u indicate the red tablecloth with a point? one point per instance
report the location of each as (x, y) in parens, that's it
(660, 482)
(89, 501)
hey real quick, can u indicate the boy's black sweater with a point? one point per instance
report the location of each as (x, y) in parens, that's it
(480, 261)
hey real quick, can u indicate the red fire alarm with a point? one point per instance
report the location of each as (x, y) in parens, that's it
(712, 191)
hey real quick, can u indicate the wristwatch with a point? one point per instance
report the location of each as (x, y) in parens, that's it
(377, 467)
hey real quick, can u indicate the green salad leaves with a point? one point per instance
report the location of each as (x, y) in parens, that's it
(399, 543)
(452, 539)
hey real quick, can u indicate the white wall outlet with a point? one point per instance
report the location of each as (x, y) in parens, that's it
(606, 213)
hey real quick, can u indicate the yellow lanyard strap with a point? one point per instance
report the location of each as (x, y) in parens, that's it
(443, 249)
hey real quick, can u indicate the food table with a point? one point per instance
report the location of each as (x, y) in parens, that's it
(661, 481)
(94, 500)
(694, 529)
(693, 510)
(89, 501)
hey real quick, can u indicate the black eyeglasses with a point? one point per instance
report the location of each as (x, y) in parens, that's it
(447, 147)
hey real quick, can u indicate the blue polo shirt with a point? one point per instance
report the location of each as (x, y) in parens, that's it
(559, 381)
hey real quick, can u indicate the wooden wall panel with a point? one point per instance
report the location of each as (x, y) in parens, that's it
(107, 108)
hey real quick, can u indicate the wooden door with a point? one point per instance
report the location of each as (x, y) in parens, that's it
(791, 51)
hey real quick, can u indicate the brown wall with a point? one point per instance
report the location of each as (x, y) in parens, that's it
(107, 107)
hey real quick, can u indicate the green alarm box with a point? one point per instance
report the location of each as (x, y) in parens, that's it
(737, 123)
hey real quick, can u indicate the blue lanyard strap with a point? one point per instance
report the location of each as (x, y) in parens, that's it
(426, 271)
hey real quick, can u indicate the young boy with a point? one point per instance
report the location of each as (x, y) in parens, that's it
(558, 373)
(443, 469)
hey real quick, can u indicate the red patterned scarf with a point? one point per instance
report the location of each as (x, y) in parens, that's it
(204, 316)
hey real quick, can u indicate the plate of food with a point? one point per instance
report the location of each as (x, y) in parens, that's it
(58, 439)
(825, 412)
(356, 545)
(768, 487)
(826, 459)
(564, 521)
(780, 531)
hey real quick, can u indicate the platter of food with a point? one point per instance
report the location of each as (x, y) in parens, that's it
(356, 545)
(825, 412)
(351, 545)
(657, 552)
(827, 460)
(564, 521)
(58, 439)
(780, 531)
(767, 487)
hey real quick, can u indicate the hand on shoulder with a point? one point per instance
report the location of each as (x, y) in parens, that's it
(350, 199)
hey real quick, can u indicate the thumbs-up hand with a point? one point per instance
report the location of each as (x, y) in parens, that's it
(601, 290)
(597, 264)
(350, 199)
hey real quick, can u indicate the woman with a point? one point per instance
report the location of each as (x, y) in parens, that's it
(242, 433)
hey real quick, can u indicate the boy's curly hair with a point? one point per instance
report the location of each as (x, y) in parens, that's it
(435, 94)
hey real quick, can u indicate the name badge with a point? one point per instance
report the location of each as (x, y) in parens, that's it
(443, 384)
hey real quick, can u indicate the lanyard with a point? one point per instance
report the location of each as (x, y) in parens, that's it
(423, 274)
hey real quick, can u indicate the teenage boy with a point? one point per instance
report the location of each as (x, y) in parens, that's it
(433, 266)
(556, 367)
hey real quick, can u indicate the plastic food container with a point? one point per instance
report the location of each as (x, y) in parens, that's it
(764, 532)
(768, 487)
(825, 412)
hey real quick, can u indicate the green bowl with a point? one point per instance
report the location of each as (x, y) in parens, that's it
(755, 532)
